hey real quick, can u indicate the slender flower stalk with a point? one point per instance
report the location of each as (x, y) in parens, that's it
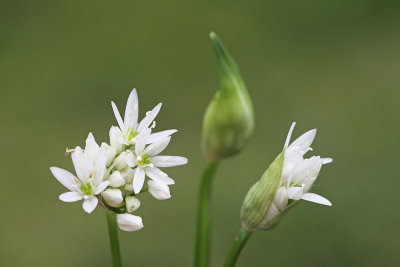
(114, 243)
(240, 241)
(203, 234)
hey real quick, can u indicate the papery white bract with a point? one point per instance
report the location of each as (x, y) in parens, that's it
(90, 167)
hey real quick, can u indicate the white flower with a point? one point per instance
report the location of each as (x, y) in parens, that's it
(90, 167)
(113, 197)
(129, 129)
(129, 222)
(147, 161)
(158, 190)
(298, 174)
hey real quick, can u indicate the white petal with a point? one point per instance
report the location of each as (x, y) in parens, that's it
(295, 192)
(92, 148)
(154, 137)
(100, 167)
(272, 212)
(159, 176)
(138, 180)
(64, 177)
(110, 152)
(168, 161)
(71, 196)
(304, 141)
(151, 115)
(90, 204)
(118, 117)
(157, 147)
(83, 164)
(316, 199)
(281, 198)
(289, 134)
(129, 222)
(132, 110)
(131, 160)
(120, 162)
(101, 187)
(158, 190)
(140, 140)
(326, 160)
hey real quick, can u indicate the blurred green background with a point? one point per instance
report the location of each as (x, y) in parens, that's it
(332, 65)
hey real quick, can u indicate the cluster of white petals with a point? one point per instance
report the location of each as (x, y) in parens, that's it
(298, 174)
(115, 174)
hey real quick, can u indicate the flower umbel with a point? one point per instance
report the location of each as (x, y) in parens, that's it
(287, 180)
(113, 175)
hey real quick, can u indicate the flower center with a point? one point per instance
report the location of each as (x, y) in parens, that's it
(145, 159)
(87, 188)
(132, 134)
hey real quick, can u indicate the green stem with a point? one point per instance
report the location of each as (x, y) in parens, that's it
(113, 233)
(203, 234)
(237, 246)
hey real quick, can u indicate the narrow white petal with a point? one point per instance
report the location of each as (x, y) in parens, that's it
(151, 115)
(118, 116)
(129, 222)
(289, 134)
(138, 180)
(90, 204)
(131, 160)
(101, 187)
(159, 176)
(154, 137)
(116, 139)
(100, 167)
(92, 148)
(316, 199)
(77, 160)
(64, 177)
(70, 196)
(281, 198)
(140, 140)
(168, 161)
(295, 192)
(157, 147)
(326, 160)
(132, 110)
(304, 141)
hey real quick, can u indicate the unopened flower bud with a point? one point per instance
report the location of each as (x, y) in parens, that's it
(115, 139)
(129, 222)
(229, 118)
(110, 152)
(158, 190)
(113, 197)
(132, 203)
(116, 179)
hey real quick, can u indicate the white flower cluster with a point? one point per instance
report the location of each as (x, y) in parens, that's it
(113, 175)
(298, 174)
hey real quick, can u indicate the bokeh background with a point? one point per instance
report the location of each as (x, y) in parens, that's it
(332, 65)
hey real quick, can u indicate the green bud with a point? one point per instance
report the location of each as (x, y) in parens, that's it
(229, 118)
(260, 197)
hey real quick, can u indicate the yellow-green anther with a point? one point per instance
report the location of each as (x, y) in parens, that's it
(145, 159)
(229, 118)
(260, 197)
(87, 188)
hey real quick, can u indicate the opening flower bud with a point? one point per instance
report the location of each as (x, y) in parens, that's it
(113, 197)
(129, 222)
(132, 203)
(229, 118)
